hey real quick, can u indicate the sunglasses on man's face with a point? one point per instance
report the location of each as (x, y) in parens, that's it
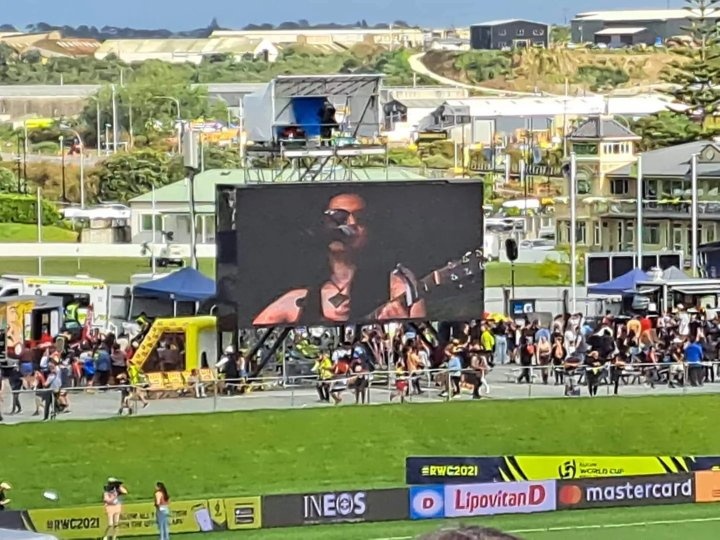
(341, 217)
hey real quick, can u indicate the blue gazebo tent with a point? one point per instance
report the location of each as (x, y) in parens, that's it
(186, 285)
(621, 285)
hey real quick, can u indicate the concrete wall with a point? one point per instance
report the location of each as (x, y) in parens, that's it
(42, 107)
(547, 299)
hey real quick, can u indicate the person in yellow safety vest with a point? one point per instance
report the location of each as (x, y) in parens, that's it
(487, 342)
(73, 312)
(324, 369)
(136, 380)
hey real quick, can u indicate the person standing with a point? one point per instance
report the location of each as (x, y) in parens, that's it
(53, 385)
(500, 332)
(112, 494)
(16, 385)
(162, 510)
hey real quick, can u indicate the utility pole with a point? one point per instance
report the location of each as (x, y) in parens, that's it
(114, 120)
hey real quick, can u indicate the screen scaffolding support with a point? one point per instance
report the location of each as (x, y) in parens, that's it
(321, 163)
(271, 350)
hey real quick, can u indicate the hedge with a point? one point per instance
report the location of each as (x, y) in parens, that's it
(23, 209)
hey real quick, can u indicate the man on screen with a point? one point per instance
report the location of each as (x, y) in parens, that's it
(331, 300)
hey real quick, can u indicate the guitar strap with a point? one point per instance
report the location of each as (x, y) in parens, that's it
(411, 291)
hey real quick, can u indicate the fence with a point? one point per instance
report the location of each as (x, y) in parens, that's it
(175, 394)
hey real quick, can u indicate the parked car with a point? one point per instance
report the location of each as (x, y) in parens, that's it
(538, 245)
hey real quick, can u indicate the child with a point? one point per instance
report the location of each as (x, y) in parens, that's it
(125, 393)
(196, 384)
(401, 383)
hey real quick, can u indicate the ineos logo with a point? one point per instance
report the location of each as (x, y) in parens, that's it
(334, 505)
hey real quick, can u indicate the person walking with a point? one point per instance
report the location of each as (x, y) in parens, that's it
(162, 510)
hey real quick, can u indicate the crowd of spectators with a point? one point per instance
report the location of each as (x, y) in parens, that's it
(678, 348)
(95, 363)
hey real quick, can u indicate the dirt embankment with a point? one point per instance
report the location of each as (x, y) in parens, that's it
(549, 69)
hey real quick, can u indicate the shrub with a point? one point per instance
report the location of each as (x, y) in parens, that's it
(23, 209)
(48, 148)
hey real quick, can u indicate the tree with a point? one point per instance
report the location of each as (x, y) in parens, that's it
(221, 157)
(8, 181)
(694, 84)
(695, 79)
(666, 128)
(126, 175)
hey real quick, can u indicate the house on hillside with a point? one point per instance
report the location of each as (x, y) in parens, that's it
(509, 33)
(179, 51)
(666, 198)
(50, 44)
(346, 37)
(65, 48)
(630, 27)
(601, 145)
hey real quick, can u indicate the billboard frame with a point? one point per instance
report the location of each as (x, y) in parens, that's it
(271, 332)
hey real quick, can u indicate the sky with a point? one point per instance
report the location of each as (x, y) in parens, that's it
(190, 14)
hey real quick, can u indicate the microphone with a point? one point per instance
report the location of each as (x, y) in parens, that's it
(336, 223)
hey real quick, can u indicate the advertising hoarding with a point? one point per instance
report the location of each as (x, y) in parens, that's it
(138, 519)
(453, 501)
(707, 486)
(469, 470)
(631, 491)
(326, 253)
(335, 507)
(499, 498)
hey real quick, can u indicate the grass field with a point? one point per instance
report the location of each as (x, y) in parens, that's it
(263, 452)
(119, 270)
(18, 232)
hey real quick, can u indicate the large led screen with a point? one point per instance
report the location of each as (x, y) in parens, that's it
(327, 254)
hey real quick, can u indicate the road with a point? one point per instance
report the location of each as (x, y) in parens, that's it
(101, 405)
(417, 65)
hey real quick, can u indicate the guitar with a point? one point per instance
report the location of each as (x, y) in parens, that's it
(468, 269)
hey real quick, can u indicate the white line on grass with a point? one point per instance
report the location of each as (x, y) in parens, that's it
(587, 527)
(617, 525)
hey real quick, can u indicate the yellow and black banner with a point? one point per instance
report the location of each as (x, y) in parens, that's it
(138, 519)
(477, 470)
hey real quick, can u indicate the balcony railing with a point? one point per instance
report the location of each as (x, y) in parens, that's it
(650, 207)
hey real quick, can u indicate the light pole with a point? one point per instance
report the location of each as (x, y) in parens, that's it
(82, 163)
(573, 232)
(107, 139)
(178, 119)
(62, 161)
(694, 232)
(98, 123)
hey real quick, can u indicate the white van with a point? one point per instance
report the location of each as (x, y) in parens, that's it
(80, 289)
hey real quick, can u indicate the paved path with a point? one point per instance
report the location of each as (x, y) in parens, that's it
(105, 404)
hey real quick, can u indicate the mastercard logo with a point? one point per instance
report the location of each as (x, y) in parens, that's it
(570, 495)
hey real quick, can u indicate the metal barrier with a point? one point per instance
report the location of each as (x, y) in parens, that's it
(219, 394)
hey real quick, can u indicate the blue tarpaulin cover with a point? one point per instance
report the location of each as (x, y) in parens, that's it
(307, 111)
(620, 285)
(186, 285)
